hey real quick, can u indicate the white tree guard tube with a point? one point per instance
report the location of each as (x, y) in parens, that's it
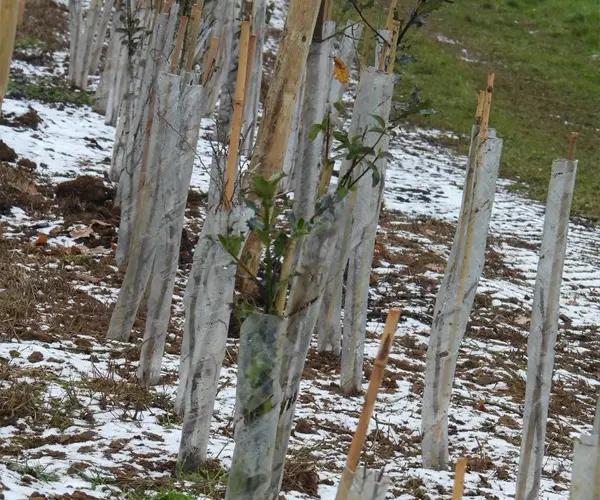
(319, 73)
(346, 53)
(131, 147)
(258, 401)
(373, 97)
(252, 101)
(368, 485)
(544, 327)
(224, 12)
(173, 125)
(87, 38)
(585, 480)
(456, 295)
(377, 90)
(316, 256)
(208, 305)
(175, 182)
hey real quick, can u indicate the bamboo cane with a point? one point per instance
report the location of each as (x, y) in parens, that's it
(459, 478)
(183, 20)
(190, 44)
(9, 11)
(360, 434)
(238, 111)
(487, 106)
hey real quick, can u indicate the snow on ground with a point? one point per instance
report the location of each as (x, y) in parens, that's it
(92, 429)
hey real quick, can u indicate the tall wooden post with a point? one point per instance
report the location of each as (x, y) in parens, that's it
(281, 100)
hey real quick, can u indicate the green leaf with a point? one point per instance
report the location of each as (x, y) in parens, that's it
(339, 106)
(314, 131)
(232, 244)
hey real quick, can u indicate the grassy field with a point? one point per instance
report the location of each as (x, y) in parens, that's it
(546, 56)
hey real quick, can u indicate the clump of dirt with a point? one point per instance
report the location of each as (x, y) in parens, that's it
(300, 473)
(27, 164)
(29, 119)
(7, 153)
(86, 188)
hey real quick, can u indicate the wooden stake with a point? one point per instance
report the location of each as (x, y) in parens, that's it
(251, 59)
(21, 14)
(391, 14)
(209, 59)
(480, 104)
(392, 52)
(238, 111)
(183, 20)
(360, 434)
(487, 105)
(571, 149)
(9, 12)
(190, 44)
(379, 364)
(167, 6)
(459, 478)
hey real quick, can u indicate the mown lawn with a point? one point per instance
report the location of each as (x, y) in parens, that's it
(546, 56)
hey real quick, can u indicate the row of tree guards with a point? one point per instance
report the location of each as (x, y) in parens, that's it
(305, 268)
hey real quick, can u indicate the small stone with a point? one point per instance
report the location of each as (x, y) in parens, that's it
(14, 353)
(35, 357)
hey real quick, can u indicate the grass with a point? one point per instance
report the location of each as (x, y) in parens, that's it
(49, 90)
(546, 56)
(36, 471)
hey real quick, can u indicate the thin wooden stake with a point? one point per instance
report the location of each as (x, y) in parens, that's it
(183, 20)
(391, 15)
(459, 478)
(487, 106)
(190, 44)
(9, 11)
(571, 149)
(251, 58)
(480, 104)
(238, 111)
(21, 14)
(360, 434)
(392, 53)
(209, 59)
(167, 6)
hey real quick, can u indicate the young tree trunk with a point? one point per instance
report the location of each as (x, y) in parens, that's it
(182, 102)
(281, 101)
(544, 327)
(457, 292)
(208, 301)
(258, 401)
(374, 98)
(319, 73)
(315, 257)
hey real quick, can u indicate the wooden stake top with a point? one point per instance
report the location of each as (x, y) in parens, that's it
(486, 107)
(571, 148)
